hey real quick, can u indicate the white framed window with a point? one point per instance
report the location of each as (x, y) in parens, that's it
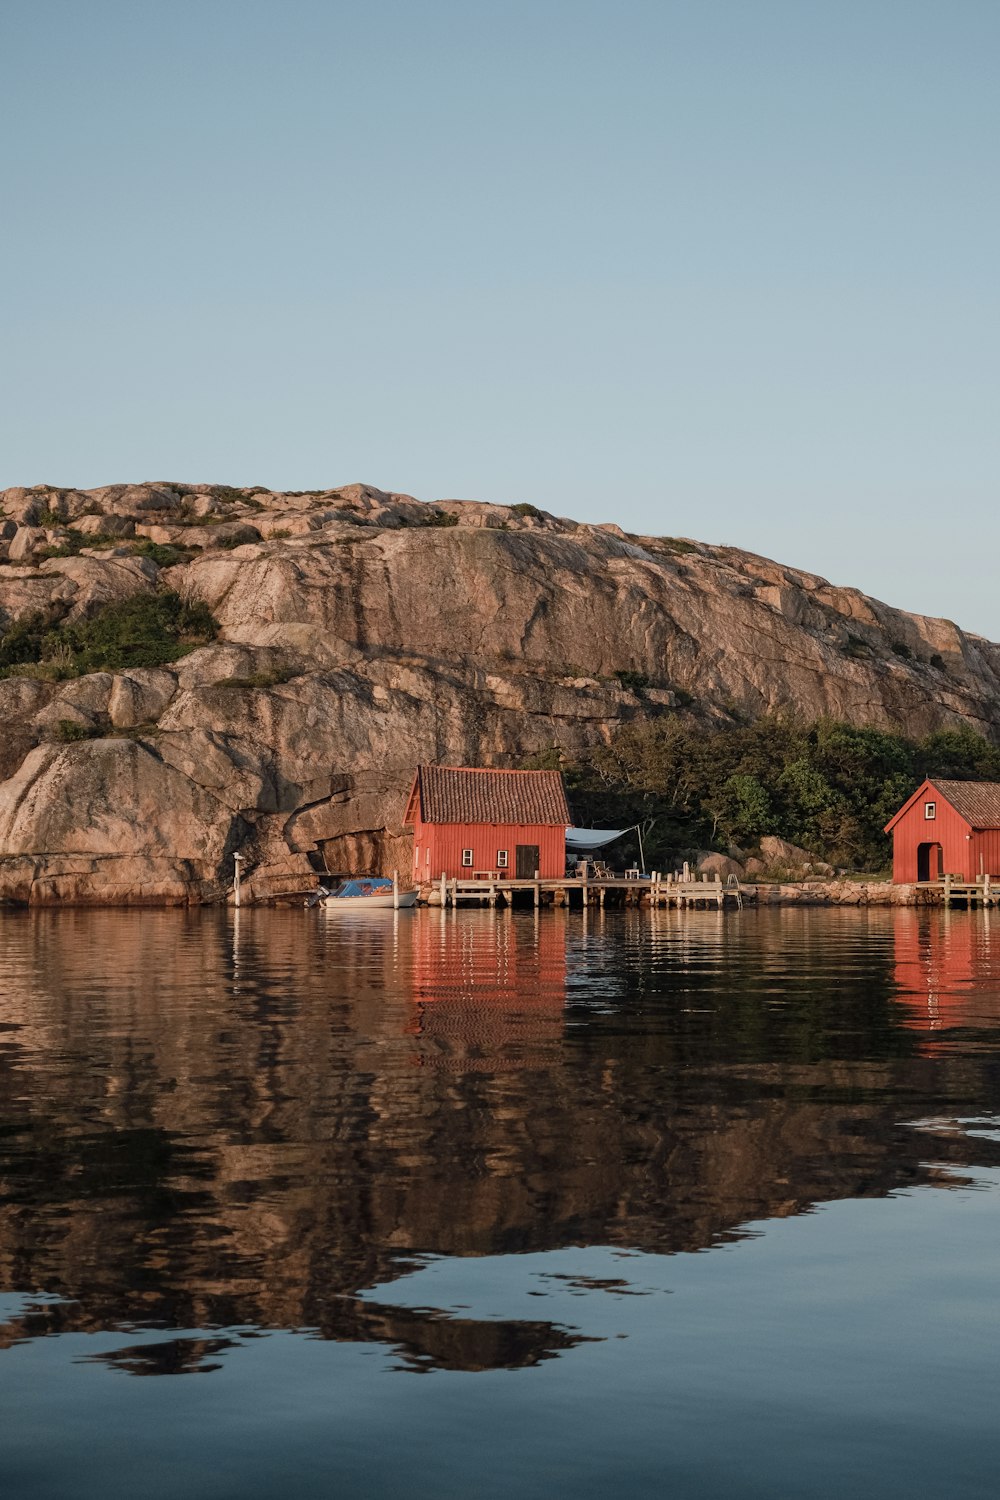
(501, 859)
(467, 859)
(930, 811)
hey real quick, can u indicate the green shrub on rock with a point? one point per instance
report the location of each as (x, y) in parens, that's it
(146, 630)
(163, 554)
(439, 518)
(68, 731)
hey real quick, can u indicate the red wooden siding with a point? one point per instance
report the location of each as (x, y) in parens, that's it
(984, 848)
(966, 852)
(487, 811)
(437, 848)
(913, 829)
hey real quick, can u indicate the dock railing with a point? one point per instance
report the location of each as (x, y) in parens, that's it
(983, 892)
(631, 888)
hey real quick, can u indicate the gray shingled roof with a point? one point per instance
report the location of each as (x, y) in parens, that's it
(978, 802)
(452, 795)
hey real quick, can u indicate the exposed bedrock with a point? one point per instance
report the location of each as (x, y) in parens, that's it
(362, 632)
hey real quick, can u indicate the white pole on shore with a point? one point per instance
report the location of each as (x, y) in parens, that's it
(395, 890)
(642, 857)
(237, 873)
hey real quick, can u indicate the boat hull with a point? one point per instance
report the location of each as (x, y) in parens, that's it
(378, 902)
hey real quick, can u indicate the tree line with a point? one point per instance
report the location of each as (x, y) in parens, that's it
(827, 786)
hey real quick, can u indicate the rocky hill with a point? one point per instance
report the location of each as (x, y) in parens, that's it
(360, 632)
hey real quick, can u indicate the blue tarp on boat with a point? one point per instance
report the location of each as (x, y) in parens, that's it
(369, 885)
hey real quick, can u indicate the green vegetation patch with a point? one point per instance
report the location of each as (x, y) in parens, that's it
(673, 546)
(163, 554)
(73, 543)
(70, 546)
(49, 517)
(147, 630)
(71, 731)
(634, 682)
(68, 731)
(826, 786)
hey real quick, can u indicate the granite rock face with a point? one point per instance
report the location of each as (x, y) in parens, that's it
(362, 632)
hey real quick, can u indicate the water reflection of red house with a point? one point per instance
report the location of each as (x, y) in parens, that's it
(489, 990)
(947, 970)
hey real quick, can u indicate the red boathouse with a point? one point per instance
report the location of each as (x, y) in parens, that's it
(475, 824)
(947, 828)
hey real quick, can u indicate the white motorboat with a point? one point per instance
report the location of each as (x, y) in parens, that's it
(363, 893)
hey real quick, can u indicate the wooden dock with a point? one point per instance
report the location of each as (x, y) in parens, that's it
(983, 892)
(583, 890)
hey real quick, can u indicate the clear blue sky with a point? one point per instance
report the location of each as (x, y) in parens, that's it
(721, 268)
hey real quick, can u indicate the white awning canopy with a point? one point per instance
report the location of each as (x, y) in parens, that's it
(582, 839)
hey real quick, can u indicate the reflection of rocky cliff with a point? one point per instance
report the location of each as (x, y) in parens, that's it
(362, 633)
(213, 1127)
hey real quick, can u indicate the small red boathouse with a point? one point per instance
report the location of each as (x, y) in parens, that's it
(947, 828)
(473, 824)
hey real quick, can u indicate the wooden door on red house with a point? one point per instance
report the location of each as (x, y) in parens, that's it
(525, 861)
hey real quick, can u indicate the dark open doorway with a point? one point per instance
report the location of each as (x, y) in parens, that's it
(928, 861)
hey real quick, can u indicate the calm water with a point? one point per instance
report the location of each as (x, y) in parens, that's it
(486, 1205)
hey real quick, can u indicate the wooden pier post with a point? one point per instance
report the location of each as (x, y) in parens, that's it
(237, 877)
(538, 890)
(444, 891)
(395, 890)
(947, 892)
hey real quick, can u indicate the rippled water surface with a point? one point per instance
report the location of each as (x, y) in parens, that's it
(480, 1204)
